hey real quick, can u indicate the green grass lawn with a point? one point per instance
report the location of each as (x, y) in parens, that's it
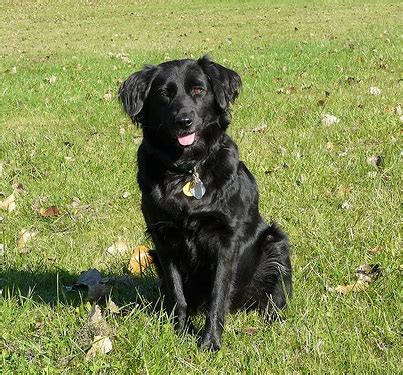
(63, 135)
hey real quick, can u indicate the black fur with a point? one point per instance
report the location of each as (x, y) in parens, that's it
(215, 252)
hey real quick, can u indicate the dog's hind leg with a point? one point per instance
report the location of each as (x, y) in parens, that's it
(271, 284)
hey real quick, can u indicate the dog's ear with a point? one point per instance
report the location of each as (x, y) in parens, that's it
(225, 83)
(134, 91)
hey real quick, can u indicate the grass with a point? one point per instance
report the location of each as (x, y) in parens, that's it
(310, 48)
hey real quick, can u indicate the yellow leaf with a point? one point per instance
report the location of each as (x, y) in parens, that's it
(140, 259)
(25, 236)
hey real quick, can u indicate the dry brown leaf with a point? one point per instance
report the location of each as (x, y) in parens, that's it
(250, 331)
(376, 250)
(118, 248)
(51, 211)
(100, 345)
(19, 188)
(25, 236)
(344, 289)
(140, 259)
(365, 273)
(8, 204)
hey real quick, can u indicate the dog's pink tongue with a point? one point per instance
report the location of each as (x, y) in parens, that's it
(187, 140)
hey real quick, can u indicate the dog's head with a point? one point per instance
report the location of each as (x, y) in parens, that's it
(176, 101)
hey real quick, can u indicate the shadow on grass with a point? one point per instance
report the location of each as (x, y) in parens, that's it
(48, 287)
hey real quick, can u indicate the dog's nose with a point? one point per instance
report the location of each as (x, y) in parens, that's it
(184, 122)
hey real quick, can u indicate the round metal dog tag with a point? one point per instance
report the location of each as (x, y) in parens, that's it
(198, 190)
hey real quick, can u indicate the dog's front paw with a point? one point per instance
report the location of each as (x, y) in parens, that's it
(210, 341)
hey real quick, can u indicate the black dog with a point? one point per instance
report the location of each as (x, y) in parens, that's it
(199, 201)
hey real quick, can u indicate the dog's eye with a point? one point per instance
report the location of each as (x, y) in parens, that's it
(197, 90)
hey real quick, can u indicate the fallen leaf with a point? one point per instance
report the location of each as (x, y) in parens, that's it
(375, 91)
(328, 119)
(117, 248)
(25, 236)
(51, 211)
(376, 250)
(359, 286)
(352, 80)
(2, 249)
(321, 103)
(19, 188)
(97, 286)
(13, 70)
(101, 345)
(375, 160)
(286, 90)
(77, 207)
(38, 203)
(368, 272)
(301, 180)
(126, 195)
(52, 79)
(344, 191)
(345, 205)
(140, 259)
(329, 146)
(112, 307)
(259, 128)
(365, 273)
(95, 314)
(8, 204)
(250, 331)
(108, 96)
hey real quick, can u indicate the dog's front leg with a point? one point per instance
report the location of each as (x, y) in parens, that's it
(174, 290)
(219, 302)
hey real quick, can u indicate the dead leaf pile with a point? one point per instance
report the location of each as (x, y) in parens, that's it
(365, 273)
(140, 259)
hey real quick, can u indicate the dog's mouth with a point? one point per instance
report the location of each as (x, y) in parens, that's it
(187, 139)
